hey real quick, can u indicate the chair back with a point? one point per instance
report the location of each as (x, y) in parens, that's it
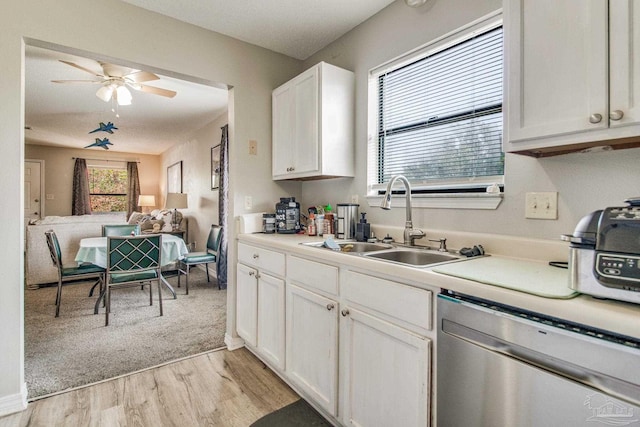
(133, 253)
(120, 230)
(54, 249)
(213, 241)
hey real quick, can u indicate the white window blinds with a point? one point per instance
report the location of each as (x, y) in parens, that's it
(440, 117)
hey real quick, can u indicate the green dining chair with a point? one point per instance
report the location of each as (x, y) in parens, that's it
(196, 258)
(120, 230)
(70, 273)
(133, 261)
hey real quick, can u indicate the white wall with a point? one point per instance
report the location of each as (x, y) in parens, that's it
(195, 155)
(159, 44)
(585, 182)
(58, 168)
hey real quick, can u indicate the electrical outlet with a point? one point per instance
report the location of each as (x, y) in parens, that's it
(253, 147)
(248, 202)
(50, 196)
(541, 205)
(354, 198)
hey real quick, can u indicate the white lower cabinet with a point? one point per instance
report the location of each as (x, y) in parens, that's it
(312, 346)
(358, 347)
(260, 294)
(385, 373)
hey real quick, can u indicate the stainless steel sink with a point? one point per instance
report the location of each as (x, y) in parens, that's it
(354, 247)
(363, 247)
(418, 257)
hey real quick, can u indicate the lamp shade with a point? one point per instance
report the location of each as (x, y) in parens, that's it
(176, 201)
(146, 200)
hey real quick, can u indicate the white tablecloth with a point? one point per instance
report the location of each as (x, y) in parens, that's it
(94, 250)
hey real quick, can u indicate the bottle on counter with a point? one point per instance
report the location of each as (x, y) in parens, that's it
(320, 224)
(328, 223)
(311, 225)
(363, 229)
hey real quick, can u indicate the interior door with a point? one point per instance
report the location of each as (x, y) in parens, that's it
(33, 190)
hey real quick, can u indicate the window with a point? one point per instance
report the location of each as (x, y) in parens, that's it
(108, 188)
(439, 115)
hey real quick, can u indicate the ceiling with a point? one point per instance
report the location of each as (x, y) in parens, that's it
(296, 28)
(64, 114)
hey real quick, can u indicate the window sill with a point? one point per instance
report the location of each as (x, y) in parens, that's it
(489, 201)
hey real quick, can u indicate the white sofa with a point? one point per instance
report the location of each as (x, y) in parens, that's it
(39, 268)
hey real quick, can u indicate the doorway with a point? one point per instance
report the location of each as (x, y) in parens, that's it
(33, 190)
(77, 307)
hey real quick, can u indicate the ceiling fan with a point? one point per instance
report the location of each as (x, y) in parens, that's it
(115, 81)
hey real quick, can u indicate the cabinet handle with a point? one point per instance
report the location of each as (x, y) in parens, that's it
(330, 306)
(616, 115)
(256, 256)
(345, 312)
(595, 118)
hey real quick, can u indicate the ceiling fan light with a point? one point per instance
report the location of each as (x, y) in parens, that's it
(105, 93)
(123, 96)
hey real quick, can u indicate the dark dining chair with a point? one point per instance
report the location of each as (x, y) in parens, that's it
(70, 273)
(120, 230)
(133, 261)
(196, 258)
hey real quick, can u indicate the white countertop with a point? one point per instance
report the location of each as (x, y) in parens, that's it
(615, 316)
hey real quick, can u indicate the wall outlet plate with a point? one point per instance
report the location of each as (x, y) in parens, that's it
(541, 205)
(248, 202)
(253, 147)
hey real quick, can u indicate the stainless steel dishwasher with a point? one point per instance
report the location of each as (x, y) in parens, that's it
(500, 366)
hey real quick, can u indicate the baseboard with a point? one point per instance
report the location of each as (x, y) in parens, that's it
(14, 402)
(233, 343)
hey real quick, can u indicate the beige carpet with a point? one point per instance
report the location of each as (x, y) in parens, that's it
(77, 349)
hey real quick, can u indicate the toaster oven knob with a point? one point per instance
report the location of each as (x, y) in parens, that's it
(616, 115)
(595, 118)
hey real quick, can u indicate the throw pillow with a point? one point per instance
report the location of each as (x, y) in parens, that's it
(149, 223)
(135, 218)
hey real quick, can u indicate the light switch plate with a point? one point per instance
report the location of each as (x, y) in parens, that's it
(541, 205)
(253, 147)
(248, 202)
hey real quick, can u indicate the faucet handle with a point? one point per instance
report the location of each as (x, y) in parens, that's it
(443, 244)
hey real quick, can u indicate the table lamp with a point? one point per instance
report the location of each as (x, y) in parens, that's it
(146, 201)
(176, 201)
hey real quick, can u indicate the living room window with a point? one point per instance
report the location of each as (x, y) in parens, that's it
(437, 114)
(108, 188)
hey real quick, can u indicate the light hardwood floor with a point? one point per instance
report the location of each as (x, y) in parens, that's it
(218, 388)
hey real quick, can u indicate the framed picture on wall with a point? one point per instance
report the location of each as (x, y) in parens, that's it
(215, 167)
(174, 178)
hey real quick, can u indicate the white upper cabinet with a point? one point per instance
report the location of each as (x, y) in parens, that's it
(569, 73)
(313, 125)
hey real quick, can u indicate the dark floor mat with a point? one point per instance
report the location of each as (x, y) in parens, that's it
(296, 414)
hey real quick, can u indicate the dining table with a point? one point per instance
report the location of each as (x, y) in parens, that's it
(94, 250)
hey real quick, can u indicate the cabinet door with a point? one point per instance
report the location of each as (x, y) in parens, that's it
(557, 65)
(283, 105)
(271, 319)
(312, 346)
(306, 150)
(386, 373)
(624, 58)
(247, 303)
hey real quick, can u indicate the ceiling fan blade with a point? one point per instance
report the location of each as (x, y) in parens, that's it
(76, 81)
(113, 70)
(141, 77)
(80, 67)
(155, 90)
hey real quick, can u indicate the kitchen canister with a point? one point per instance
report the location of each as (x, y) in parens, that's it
(347, 219)
(269, 223)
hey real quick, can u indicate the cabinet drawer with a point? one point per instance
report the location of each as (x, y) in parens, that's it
(396, 302)
(313, 274)
(262, 259)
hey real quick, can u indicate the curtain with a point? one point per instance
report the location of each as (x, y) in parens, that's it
(223, 193)
(133, 188)
(80, 203)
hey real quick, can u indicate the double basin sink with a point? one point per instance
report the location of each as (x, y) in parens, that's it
(407, 255)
